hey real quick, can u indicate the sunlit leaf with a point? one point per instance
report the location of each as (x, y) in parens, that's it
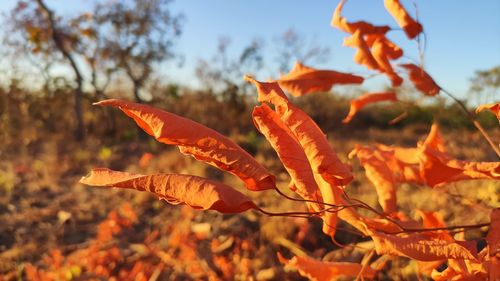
(390, 49)
(493, 107)
(328, 170)
(289, 150)
(325, 271)
(369, 98)
(197, 192)
(199, 141)
(411, 27)
(302, 80)
(438, 169)
(321, 156)
(381, 52)
(380, 175)
(419, 247)
(421, 80)
(338, 21)
(363, 55)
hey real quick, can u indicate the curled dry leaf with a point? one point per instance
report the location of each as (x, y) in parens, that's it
(411, 27)
(380, 53)
(421, 248)
(434, 139)
(380, 175)
(493, 236)
(391, 50)
(434, 220)
(328, 170)
(321, 156)
(289, 150)
(302, 80)
(493, 239)
(362, 101)
(341, 23)
(325, 271)
(363, 55)
(421, 80)
(404, 163)
(429, 164)
(437, 168)
(199, 141)
(197, 192)
(461, 270)
(457, 269)
(493, 107)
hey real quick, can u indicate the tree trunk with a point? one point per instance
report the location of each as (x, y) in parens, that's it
(137, 89)
(58, 39)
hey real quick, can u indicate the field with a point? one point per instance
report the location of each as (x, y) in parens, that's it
(50, 221)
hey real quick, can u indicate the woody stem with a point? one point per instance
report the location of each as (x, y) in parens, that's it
(475, 122)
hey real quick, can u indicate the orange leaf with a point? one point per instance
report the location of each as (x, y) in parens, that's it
(493, 107)
(201, 142)
(494, 268)
(427, 267)
(469, 270)
(411, 27)
(421, 80)
(320, 154)
(328, 170)
(391, 50)
(434, 139)
(438, 169)
(319, 270)
(341, 23)
(289, 150)
(388, 226)
(380, 53)
(363, 56)
(362, 101)
(493, 236)
(419, 247)
(302, 80)
(380, 175)
(403, 162)
(197, 192)
(434, 220)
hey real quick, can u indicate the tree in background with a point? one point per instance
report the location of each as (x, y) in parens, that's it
(485, 85)
(292, 46)
(138, 34)
(116, 38)
(47, 33)
(221, 74)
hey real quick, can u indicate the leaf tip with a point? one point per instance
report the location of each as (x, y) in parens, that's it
(249, 78)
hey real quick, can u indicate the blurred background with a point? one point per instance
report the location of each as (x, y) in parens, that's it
(188, 57)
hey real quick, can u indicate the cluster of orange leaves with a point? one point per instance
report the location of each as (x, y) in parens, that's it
(317, 175)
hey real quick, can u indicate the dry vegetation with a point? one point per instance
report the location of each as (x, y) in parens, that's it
(54, 228)
(49, 221)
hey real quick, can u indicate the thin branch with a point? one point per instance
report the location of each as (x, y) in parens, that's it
(290, 214)
(474, 121)
(464, 227)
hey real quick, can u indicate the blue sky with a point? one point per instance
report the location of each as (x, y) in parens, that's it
(462, 36)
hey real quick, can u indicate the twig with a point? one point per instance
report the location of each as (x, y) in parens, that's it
(474, 121)
(406, 230)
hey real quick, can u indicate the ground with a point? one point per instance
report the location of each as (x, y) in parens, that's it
(52, 225)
